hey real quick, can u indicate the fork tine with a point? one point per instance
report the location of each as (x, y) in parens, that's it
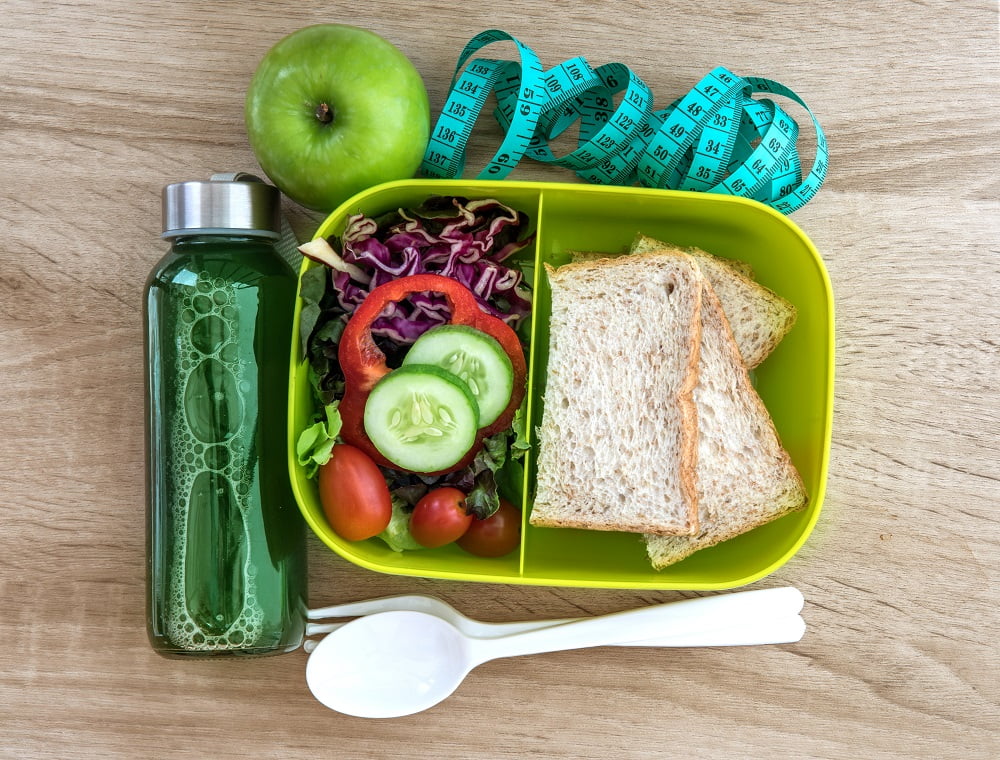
(313, 629)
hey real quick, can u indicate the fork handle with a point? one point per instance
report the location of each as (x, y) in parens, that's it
(677, 619)
(781, 630)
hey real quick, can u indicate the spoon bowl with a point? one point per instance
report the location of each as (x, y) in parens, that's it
(389, 664)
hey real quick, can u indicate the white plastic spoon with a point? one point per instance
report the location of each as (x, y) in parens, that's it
(398, 663)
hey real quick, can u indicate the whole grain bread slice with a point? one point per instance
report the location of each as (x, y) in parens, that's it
(745, 476)
(759, 317)
(618, 433)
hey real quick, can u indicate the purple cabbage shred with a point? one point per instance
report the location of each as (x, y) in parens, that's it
(467, 240)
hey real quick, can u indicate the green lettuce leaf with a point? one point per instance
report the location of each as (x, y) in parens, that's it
(325, 375)
(519, 446)
(483, 498)
(397, 534)
(312, 289)
(315, 444)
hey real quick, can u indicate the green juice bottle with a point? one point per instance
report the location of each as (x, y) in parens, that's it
(226, 569)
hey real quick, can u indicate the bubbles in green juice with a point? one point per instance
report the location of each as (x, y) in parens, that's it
(212, 597)
(209, 333)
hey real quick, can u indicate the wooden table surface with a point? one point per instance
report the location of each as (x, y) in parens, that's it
(101, 104)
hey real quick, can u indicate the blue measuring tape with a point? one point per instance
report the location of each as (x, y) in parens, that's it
(717, 138)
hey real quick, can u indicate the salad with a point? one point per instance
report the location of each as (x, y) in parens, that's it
(415, 329)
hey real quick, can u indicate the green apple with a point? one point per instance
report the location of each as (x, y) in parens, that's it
(335, 109)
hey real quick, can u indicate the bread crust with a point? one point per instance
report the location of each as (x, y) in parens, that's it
(689, 415)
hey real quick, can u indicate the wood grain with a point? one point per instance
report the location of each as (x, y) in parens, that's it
(103, 103)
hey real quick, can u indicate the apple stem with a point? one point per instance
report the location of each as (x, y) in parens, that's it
(324, 113)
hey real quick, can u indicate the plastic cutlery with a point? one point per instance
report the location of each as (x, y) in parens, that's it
(775, 614)
(400, 662)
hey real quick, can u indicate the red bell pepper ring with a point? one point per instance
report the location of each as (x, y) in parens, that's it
(363, 362)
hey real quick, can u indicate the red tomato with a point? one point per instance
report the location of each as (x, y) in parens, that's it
(439, 517)
(354, 494)
(497, 535)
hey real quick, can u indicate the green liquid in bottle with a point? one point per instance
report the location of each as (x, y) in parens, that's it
(226, 543)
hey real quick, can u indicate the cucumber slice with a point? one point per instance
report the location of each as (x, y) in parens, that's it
(422, 418)
(476, 358)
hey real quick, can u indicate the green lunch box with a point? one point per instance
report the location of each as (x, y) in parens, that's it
(795, 382)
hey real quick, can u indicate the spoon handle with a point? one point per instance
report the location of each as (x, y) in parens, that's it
(686, 619)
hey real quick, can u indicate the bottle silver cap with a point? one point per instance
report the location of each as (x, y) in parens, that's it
(227, 203)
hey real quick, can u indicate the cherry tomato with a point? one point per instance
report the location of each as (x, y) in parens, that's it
(354, 494)
(497, 535)
(440, 517)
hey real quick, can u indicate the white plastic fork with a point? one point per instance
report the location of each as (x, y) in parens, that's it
(773, 620)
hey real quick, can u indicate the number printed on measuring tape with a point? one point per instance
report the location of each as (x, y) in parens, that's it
(717, 138)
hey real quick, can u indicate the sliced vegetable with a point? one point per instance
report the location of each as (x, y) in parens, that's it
(320, 251)
(440, 518)
(465, 240)
(364, 364)
(476, 358)
(497, 535)
(422, 418)
(354, 494)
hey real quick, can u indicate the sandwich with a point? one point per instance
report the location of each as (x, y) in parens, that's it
(617, 379)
